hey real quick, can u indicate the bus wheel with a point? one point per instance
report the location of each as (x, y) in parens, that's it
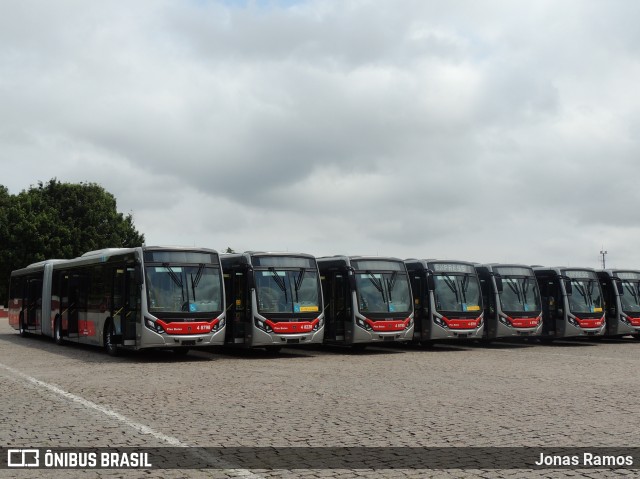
(181, 351)
(57, 331)
(358, 347)
(109, 346)
(273, 349)
(636, 337)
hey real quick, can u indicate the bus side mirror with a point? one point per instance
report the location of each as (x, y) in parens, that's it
(137, 274)
(251, 279)
(352, 280)
(499, 286)
(567, 287)
(431, 283)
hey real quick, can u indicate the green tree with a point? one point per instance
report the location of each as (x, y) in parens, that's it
(59, 220)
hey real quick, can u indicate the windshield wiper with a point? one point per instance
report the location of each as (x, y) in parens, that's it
(525, 289)
(514, 288)
(583, 292)
(466, 279)
(451, 283)
(632, 291)
(176, 279)
(391, 282)
(280, 282)
(194, 282)
(298, 281)
(378, 285)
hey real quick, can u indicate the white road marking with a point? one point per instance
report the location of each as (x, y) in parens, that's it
(142, 428)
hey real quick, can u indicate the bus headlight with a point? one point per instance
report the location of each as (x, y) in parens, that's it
(153, 326)
(440, 323)
(219, 325)
(262, 325)
(364, 325)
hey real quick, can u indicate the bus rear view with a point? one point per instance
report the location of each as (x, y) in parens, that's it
(621, 289)
(572, 302)
(511, 298)
(368, 300)
(447, 298)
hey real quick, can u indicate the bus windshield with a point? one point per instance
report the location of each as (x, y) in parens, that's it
(585, 296)
(520, 294)
(457, 292)
(630, 297)
(194, 288)
(287, 291)
(383, 292)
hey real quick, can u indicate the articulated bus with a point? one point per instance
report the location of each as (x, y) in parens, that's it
(572, 302)
(621, 289)
(447, 300)
(123, 298)
(274, 299)
(511, 298)
(368, 300)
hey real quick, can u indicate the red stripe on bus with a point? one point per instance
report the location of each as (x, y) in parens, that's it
(590, 323)
(200, 327)
(524, 322)
(387, 326)
(634, 321)
(292, 327)
(463, 323)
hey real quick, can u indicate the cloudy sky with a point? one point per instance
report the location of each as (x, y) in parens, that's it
(478, 130)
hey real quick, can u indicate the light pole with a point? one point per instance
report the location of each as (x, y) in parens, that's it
(603, 252)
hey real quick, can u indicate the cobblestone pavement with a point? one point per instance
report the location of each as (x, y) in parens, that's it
(568, 394)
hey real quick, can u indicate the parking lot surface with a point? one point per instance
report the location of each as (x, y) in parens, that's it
(567, 394)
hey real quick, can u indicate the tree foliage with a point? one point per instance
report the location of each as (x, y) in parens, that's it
(59, 220)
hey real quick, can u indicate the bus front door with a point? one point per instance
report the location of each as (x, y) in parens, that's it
(343, 325)
(34, 304)
(69, 311)
(125, 304)
(242, 317)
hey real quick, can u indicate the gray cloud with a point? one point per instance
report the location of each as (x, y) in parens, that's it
(488, 131)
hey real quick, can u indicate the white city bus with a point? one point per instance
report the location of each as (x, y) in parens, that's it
(511, 298)
(123, 298)
(275, 299)
(572, 302)
(621, 289)
(368, 300)
(447, 299)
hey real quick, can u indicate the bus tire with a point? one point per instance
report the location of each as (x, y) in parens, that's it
(109, 346)
(57, 331)
(359, 347)
(273, 349)
(636, 337)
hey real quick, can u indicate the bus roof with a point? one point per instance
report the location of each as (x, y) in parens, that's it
(425, 262)
(492, 266)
